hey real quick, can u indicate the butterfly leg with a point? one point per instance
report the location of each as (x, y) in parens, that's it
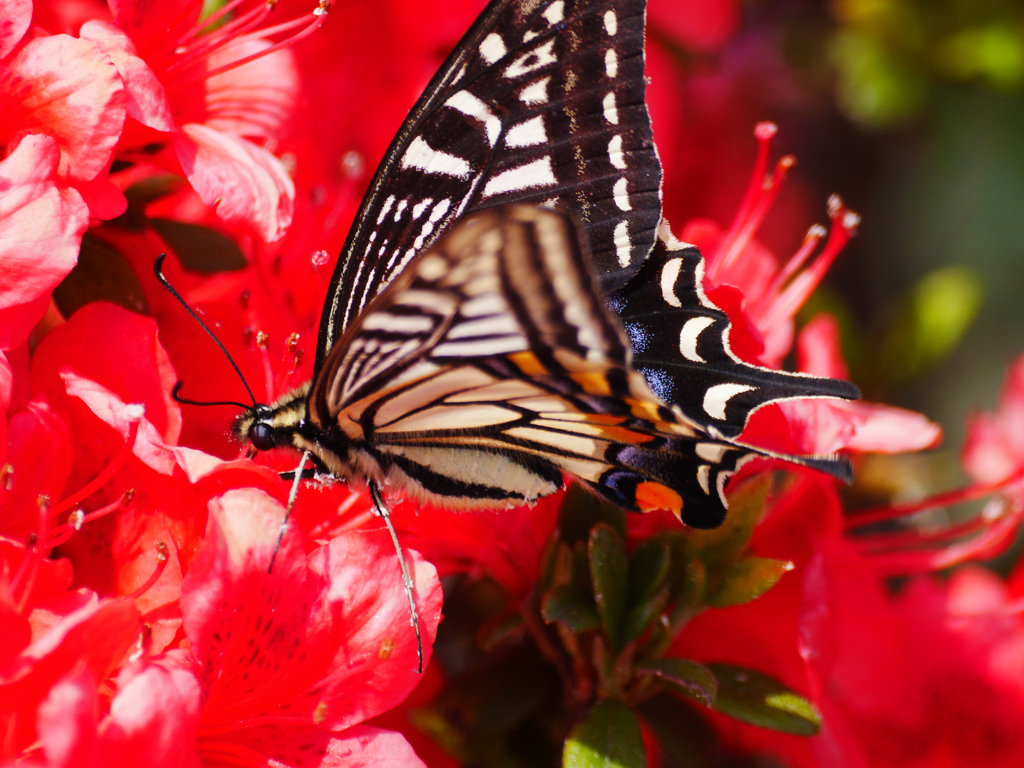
(307, 474)
(297, 476)
(414, 617)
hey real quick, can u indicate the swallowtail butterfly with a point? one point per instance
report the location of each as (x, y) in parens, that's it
(509, 307)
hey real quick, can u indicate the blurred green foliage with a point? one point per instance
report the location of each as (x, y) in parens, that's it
(889, 54)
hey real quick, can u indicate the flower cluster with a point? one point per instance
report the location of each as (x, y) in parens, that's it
(154, 608)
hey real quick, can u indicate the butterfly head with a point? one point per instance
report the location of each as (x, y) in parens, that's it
(266, 427)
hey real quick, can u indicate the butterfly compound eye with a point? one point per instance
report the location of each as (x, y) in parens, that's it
(262, 437)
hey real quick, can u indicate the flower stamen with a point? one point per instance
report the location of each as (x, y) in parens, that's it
(108, 473)
(161, 563)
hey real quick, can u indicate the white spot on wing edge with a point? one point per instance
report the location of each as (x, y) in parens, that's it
(468, 104)
(555, 12)
(669, 275)
(615, 156)
(689, 335)
(527, 134)
(712, 452)
(703, 477)
(611, 112)
(535, 174)
(718, 396)
(623, 247)
(492, 48)
(621, 192)
(611, 63)
(611, 22)
(422, 156)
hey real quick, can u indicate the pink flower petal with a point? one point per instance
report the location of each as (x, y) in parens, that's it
(149, 446)
(152, 26)
(154, 717)
(67, 723)
(818, 350)
(117, 349)
(146, 98)
(74, 632)
(41, 227)
(69, 89)
(994, 448)
(15, 18)
(255, 99)
(246, 185)
(105, 200)
(374, 668)
(304, 747)
(325, 641)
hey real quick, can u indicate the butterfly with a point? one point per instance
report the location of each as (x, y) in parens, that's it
(509, 308)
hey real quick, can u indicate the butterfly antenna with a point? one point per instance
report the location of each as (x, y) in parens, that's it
(158, 264)
(414, 617)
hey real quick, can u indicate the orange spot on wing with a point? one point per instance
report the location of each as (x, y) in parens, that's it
(528, 363)
(624, 435)
(593, 383)
(645, 410)
(651, 496)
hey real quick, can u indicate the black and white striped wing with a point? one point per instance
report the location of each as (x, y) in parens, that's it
(490, 367)
(542, 102)
(680, 343)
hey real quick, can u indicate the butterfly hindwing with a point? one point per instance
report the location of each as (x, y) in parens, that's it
(540, 102)
(680, 343)
(515, 374)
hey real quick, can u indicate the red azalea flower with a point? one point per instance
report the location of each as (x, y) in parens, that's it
(63, 108)
(223, 90)
(994, 449)
(928, 677)
(217, 675)
(505, 546)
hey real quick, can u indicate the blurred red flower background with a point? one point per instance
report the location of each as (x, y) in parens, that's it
(820, 626)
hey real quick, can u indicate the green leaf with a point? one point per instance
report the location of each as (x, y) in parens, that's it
(761, 700)
(684, 736)
(683, 676)
(572, 606)
(609, 737)
(200, 249)
(608, 574)
(101, 274)
(747, 580)
(648, 568)
(581, 511)
(725, 543)
(639, 617)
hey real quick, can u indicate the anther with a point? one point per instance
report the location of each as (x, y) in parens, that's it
(7, 477)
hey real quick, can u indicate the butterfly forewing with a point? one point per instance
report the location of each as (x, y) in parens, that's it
(540, 102)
